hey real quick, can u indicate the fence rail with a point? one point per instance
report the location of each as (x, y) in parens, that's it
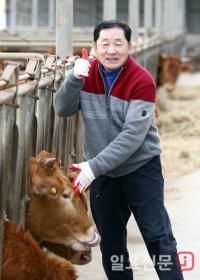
(28, 123)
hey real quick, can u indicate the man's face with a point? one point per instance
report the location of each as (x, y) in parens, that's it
(112, 48)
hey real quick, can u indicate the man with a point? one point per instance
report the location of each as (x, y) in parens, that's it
(117, 99)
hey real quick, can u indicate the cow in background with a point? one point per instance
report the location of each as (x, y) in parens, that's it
(169, 69)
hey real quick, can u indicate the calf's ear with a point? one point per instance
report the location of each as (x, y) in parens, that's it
(32, 160)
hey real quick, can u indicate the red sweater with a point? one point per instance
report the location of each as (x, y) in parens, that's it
(130, 84)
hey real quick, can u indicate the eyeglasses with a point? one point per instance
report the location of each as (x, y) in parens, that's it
(106, 46)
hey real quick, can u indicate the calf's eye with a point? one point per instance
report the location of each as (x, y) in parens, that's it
(65, 195)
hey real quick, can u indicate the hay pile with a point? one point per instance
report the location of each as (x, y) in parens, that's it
(179, 127)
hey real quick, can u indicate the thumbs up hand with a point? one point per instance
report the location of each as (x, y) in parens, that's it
(82, 66)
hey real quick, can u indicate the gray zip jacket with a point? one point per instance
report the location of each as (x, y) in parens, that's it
(120, 134)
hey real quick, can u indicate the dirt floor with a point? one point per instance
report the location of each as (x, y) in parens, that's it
(179, 126)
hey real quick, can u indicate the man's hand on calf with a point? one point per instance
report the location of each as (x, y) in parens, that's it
(85, 176)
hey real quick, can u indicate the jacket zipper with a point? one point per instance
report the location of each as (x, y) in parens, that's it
(108, 95)
(107, 101)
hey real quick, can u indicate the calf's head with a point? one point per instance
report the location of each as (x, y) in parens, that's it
(169, 70)
(55, 213)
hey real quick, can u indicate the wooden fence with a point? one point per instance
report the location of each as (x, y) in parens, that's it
(28, 123)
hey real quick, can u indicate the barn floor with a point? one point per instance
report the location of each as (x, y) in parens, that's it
(179, 128)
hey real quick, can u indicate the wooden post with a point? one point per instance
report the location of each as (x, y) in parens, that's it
(158, 21)
(183, 15)
(168, 16)
(34, 15)
(148, 15)
(64, 28)
(109, 9)
(133, 16)
(13, 9)
(52, 6)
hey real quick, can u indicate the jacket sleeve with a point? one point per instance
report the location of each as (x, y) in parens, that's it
(140, 116)
(66, 101)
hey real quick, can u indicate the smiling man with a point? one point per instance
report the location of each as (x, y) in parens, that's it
(122, 151)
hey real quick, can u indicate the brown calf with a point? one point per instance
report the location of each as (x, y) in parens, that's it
(24, 260)
(55, 213)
